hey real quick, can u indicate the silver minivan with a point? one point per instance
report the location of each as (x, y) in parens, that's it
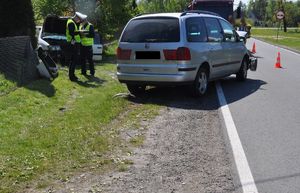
(190, 48)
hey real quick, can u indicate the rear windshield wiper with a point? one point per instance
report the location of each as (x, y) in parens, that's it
(151, 40)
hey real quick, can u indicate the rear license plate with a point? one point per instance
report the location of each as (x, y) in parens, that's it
(147, 55)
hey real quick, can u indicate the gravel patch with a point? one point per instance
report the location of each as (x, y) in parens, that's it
(184, 151)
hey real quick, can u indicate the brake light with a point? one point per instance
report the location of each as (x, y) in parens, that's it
(123, 54)
(182, 53)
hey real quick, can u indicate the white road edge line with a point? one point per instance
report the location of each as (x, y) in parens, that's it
(245, 175)
(278, 47)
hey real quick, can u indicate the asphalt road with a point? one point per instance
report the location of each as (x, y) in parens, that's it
(266, 112)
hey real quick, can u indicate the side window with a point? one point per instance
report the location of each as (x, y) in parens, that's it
(214, 30)
(195, 30)
(229, 35)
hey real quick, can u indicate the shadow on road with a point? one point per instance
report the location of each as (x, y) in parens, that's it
(235, 91)
(180, 97)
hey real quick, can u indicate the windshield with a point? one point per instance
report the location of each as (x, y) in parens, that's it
(152, 30)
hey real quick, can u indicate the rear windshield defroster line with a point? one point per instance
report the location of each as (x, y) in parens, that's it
(152, 29)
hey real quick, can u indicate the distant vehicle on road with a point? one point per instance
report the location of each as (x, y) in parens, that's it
(52, 38)
(222, 7)
(189, 48)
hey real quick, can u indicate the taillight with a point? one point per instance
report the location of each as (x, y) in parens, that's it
(123, 54)
(182, 53)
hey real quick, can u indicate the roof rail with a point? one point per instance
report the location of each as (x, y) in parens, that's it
(199, 12)
(140, 14)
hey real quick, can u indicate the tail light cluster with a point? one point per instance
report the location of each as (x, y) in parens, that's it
(182, 53)
(123, 54)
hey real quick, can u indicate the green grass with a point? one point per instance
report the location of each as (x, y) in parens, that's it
(6, 86)
(111, 50)
(290, 39)
(49, 130)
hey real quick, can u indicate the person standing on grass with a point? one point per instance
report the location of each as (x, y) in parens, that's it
(73, 43)
(87, 41)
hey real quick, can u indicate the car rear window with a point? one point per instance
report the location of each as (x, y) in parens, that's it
(152, 30)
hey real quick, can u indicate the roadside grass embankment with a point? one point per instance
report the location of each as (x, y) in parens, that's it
(49, 131)
(290, 39)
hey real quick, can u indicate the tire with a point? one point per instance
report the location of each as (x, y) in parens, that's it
(201, 82)
(243, 72)
(136, 90)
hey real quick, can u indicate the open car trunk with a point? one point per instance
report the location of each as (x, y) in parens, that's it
(54, 33)
(55, 25)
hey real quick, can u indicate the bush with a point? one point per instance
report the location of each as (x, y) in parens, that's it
(17, 19)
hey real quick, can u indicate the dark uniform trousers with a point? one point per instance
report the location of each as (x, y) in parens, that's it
(73, 58)
(87, 55)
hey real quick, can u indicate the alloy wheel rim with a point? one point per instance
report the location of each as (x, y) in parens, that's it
(202, 82)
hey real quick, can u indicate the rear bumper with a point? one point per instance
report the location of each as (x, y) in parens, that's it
(97, 57)
(158, 79)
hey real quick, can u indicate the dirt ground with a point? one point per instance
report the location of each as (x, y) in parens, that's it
(183, 152)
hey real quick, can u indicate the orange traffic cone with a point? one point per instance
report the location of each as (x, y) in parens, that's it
(278, 63)
(254, 48)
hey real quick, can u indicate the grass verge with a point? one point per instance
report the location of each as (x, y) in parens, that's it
(290, 39)
(50, 130)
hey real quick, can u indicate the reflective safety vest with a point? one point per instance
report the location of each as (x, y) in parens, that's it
(69, 37)
(86, 41)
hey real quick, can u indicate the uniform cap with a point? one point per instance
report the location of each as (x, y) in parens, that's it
(80, 15)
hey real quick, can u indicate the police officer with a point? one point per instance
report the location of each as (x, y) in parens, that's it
(86, 51)
(73, 41)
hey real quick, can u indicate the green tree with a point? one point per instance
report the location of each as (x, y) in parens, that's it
(43, 8)
(21, 22)
(259, 9)
(111, 15)
(292, 14)
(291, 9)
(153, 6)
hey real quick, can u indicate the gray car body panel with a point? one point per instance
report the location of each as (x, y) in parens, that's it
(223, 58)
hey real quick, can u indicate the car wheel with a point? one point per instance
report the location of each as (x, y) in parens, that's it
(136, 90)
(201, 82)
(242, 74)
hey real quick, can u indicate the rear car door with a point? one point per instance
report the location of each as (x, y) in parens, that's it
(196, 36)
(218, 57)
(234, 47)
